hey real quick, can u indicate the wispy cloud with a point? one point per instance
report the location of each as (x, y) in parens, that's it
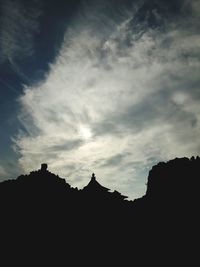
(114, 102)
(18, 24)
(2, 172)
(8, 169)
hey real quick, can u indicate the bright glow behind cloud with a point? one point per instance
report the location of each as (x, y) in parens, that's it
(113, 103)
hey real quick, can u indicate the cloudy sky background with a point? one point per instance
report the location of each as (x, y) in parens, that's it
(110, 87)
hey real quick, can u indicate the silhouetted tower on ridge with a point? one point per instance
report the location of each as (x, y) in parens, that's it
(44, 167)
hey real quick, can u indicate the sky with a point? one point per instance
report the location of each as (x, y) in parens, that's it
(110, 87)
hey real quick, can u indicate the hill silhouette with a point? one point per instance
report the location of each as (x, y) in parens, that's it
(44, 220)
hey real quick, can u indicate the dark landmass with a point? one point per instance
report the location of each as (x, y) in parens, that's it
(46, 221)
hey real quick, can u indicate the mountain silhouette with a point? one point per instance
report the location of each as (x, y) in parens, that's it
(46, 221)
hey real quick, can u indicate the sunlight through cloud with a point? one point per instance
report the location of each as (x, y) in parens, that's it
(113, 103)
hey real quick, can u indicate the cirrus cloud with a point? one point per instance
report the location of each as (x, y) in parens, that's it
(115, 102)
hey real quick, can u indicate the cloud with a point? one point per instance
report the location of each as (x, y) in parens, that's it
(8, 169)
(18, 25)
(115, 101)
(2, 172)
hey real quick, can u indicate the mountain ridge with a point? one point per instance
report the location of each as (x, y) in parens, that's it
(157, 174)
(40, 212)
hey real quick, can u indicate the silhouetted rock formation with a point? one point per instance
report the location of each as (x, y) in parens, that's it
(174, 184)
(41, 211)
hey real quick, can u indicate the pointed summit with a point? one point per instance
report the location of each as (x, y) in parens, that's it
(93, 178)
(95, 187)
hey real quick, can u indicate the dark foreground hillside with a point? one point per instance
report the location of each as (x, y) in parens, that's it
(45, 221)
